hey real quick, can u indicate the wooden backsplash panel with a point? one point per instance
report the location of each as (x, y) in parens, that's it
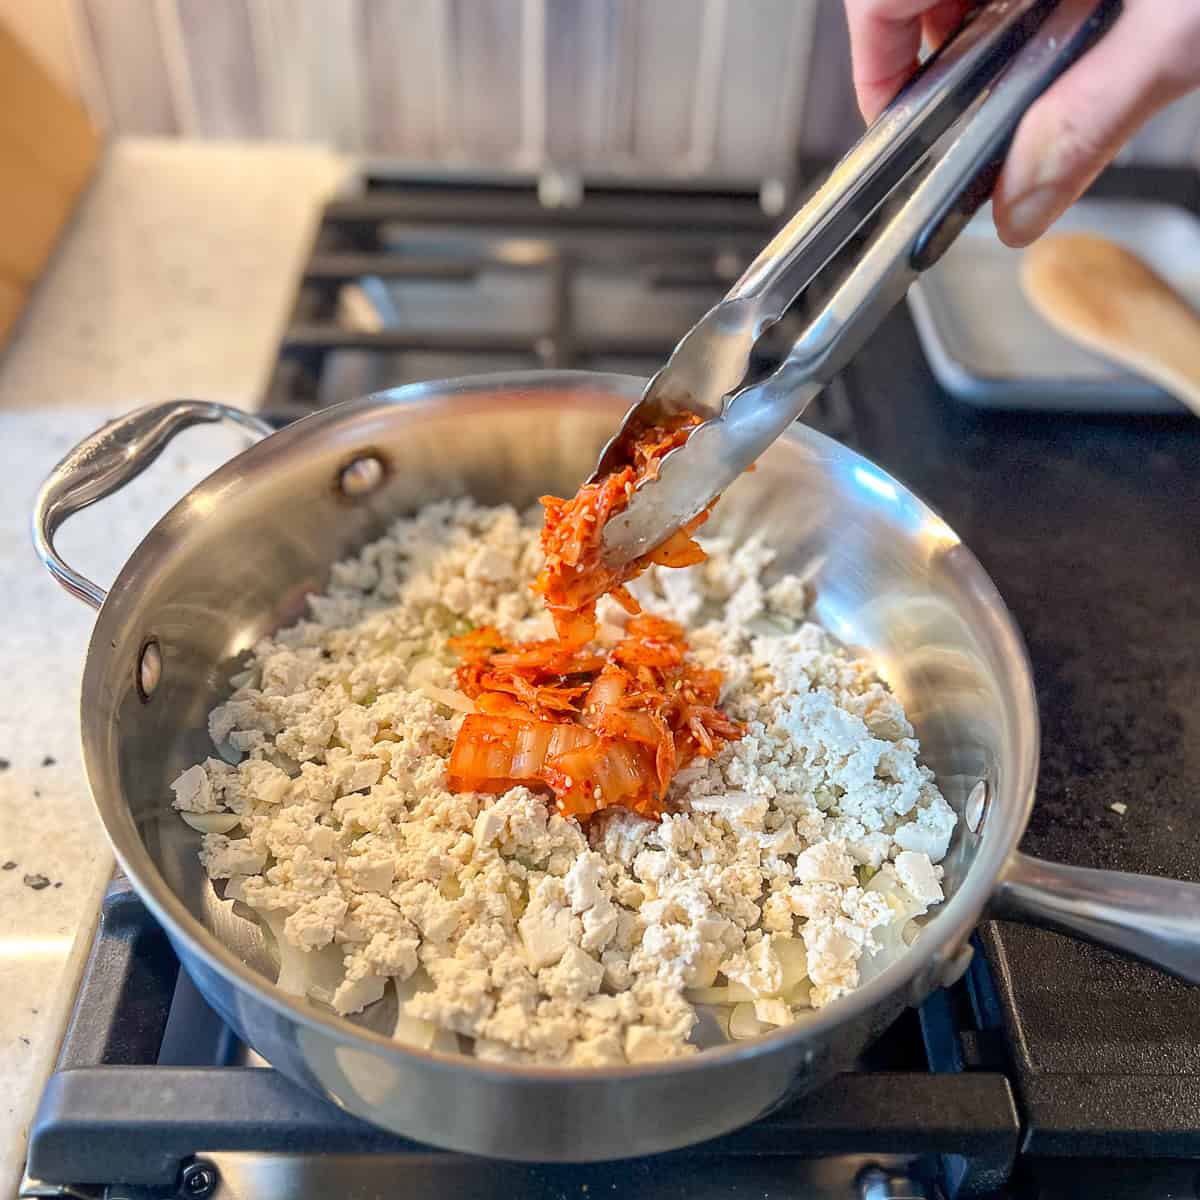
(126, 40)
(590, 80)
(407, 91)
(309, 59)
(767, 46)
(667, 54)
(216, 41)
(484, 53)
(705, 87)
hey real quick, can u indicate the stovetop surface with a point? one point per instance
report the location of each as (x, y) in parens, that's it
(1052, 1052)
(1089, 529)
(150, 1083)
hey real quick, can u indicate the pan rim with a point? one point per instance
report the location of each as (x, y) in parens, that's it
(941, 940)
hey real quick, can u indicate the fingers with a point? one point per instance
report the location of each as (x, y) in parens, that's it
(1150, 57)
(941, 21)
(885, 40)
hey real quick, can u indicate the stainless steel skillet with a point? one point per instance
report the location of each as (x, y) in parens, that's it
(234, 560)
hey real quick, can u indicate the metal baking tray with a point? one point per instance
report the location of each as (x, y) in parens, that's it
(989, 347)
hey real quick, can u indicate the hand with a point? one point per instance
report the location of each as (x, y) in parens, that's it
(1150, 57)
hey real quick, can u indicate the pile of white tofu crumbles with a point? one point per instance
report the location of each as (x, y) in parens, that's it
(787, 869)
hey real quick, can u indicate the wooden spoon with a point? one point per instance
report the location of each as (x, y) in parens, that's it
(1110, 301)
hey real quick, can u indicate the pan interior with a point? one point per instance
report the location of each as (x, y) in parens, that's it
(237, 557)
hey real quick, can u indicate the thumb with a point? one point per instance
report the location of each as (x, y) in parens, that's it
(1150, 57)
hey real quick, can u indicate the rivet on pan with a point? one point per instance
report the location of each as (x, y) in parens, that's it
(197, 1180)
(149, 672)
(976, 805)
(361, 477)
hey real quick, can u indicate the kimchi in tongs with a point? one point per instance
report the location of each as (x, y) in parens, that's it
(887, 212)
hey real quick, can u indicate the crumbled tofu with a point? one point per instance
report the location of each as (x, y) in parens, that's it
(545, 928)
(825, 862)
(644, 1043)
(919, 876)
(582, 882)
(535, 939)
(759, 969)
(315, 922)
(372, 871)
(575, 976)
(789, 597)
(223, 857)
(193, 792)
(833, 955)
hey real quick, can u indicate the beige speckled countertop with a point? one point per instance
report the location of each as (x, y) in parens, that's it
(175, 280)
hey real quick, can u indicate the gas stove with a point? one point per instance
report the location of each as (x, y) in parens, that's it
(153, 1091)
(1052, 1069)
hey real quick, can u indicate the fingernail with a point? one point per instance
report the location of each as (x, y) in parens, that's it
(1028, 216)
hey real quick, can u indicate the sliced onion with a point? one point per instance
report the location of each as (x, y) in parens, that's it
(314, 973)
(723, 803)
(766, 625)
(712, 1025)
(358, 995)
(887, 883)
(799, 995)
(455, 700)
(731, 993)
(793, 958)
(445, 1041)
(218, 822)
(891, 940)
(423, 671)
(743, 1023)
(690, 774)
(413, 1031)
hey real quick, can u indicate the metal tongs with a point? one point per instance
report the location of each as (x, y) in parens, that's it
(888, 211)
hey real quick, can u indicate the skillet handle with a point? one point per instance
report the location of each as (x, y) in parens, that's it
(1146, 916)
(105, 462)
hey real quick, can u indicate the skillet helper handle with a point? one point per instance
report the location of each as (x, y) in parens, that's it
(1146, 916)
(105, 462)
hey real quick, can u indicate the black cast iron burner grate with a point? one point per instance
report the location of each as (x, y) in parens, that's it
(144, 1091)
(441, 277)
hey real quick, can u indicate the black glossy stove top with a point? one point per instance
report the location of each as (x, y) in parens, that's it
(1090, 529)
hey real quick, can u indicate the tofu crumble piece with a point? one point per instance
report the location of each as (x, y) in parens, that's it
(783, 869)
